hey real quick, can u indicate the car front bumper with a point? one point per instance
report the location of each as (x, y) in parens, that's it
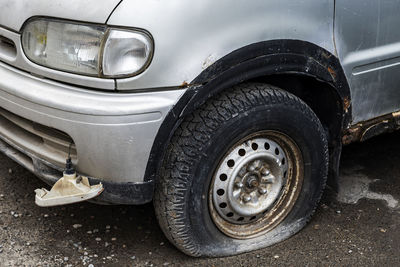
(111, 133)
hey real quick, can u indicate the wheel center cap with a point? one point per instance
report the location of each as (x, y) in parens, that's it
(252, 182)
(249, 180)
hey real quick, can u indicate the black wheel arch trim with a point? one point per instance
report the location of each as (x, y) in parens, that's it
(250, 62)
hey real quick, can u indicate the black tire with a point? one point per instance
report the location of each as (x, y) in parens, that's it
(181, 199)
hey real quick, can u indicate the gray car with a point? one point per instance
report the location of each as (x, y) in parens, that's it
(229, 115)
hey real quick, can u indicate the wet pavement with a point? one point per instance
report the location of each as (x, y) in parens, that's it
(358, 227)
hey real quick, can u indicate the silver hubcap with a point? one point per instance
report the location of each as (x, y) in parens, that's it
(256, 184)
(249, 180)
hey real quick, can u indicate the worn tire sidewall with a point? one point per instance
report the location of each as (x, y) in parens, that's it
(307, 133)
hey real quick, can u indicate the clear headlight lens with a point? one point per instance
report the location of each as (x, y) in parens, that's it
(64, 46)
(93, 50)
(125, 51)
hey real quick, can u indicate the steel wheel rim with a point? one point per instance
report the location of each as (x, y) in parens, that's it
(256, 184)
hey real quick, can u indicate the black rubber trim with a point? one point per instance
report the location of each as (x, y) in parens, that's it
(119, 193)
(250, 62)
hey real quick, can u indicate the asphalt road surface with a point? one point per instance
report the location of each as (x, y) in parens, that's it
(358, 227)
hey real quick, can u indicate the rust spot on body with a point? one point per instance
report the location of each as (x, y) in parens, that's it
(352, 135)
(184, 84)
(332, 73)
(365, 130)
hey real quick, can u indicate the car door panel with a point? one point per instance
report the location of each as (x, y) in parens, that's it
(368, 45)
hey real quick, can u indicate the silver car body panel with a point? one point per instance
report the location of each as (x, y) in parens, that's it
(368, 45)
(113, 133)
(190, 35)
(232, 28)
(13, 15)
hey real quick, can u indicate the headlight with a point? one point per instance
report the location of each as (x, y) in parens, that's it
(87, 49)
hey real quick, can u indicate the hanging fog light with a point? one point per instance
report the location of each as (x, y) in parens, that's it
(87, 49)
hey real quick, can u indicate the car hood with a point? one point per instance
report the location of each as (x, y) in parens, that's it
(13, 13)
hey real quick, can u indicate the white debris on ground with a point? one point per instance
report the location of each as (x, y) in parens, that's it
(354, 185)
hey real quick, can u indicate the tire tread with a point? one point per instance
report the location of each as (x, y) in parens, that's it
(193, 133)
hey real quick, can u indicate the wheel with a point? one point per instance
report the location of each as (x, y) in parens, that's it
(243, 172)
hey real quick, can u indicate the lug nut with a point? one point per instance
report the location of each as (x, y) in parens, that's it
(251, 168)
(239, 185)
(246, 198)
(262, 191)
(254, 166)
(265, 172)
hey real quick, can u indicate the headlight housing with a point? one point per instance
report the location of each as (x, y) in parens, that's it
(87, 49)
